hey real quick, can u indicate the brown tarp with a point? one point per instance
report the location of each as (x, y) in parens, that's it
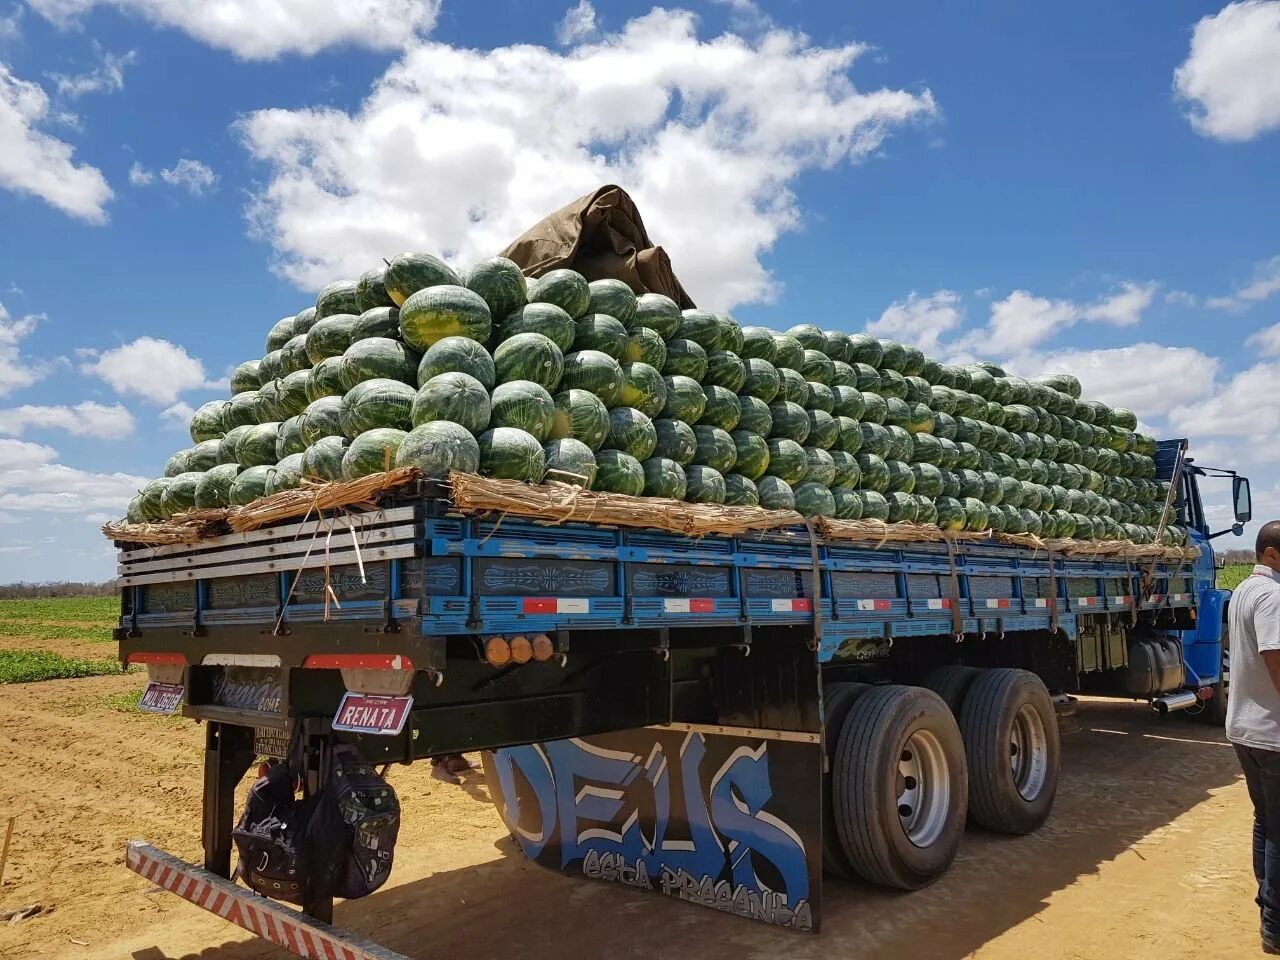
(601, 236)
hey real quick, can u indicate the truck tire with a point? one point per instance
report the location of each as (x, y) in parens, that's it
(899, 786)
(1011, 739)
(951, 683)
(837, 698)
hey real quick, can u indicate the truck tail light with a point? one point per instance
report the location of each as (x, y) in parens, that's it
(521, 649)
(497, 652)
(543, 648)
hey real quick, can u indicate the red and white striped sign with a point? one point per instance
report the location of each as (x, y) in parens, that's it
(1123, 600)
(1086, 601)
(797, 605)
(689, 605)
(873, 604)
(1040, 603)
(944, 604)
(285, 927)
(556, 605)
(997, 604)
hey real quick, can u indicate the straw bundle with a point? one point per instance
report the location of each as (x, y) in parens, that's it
(189, 527)
(315, 498)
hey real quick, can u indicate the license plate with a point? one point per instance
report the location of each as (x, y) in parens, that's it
(367, 713)
(270, 742)
(161, 697)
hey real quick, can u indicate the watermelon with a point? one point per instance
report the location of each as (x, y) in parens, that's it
(433, 313)
(523, 405)
(293, 356)
(760, 379)
(951, 514)
(901, 443)
(755, 415)
(631, 432)
(820, 397)
(823, 429)
(675, 440)
(775, 493)
(452, 396)
(730, 334)
(599, 331)
(377, 403)
(203, 456)
(379, 357)
(927, 480)
(758, 344)
(1010, 491)
(893, 384)
(704, 484)
(752, 454)
(321, 418)
(686, 400)
(371, 290)
(330, 337)
(1031, 521)
(976, 517)
(271, 366)
(567, 289)
(279, 334)
(875, 439)
(663, 477)
(918, 390)
(509, 453)
(531, 357)
(790, 421)
(544, 318)
(919, 419)
(581, 415)
(814, 500)
(595, 372)
(901, 478)
(725, 369)
(864, 348)
(613, 298)
(847, 473)
(700, 327)
(376, 322)
(374, 451)
(206, 422)
(789, 351)
(499, 283)
(848, 503)
(875, 408)
(341, 296)
(875, 472)
(847, 402)
(844, 376)
(257, 446)
(458, 355)
(213, 489)
(787, 461)
(645, 346)
(619, 472)
(325, 379)
(850, 439)
(995, 519)
(836, 345)
(643, 388)
(245, 377)
(179, 495)
(305, 320)
(867, 378)
(227, 445)
(291, 394)
(821, 467)
(739, 491)
(903, 507)
(715, 448)
(266, 405)
(287, 474)
(981, 382)
(685, 358)
(439, 448)
(948, 456)
(410, 272)
(657, 312)
(151, 499)
(898, 412)
(926, 448)
(241, 410)
(874, 505)
(250, 484)
(289, 440)
(570, 461)
(794, 386)
(723, 408)
(808, 335)
(817, 366)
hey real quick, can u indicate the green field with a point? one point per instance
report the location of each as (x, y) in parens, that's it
(39, 621)
(26, 666)
(87, 609)
(1229, 577)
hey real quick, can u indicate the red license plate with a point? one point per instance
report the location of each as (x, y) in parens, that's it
(367, 713)
(161, 698)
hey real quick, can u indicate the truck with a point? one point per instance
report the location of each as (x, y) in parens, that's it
(728, 720)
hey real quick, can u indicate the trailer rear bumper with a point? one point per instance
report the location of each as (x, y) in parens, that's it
(282, 925)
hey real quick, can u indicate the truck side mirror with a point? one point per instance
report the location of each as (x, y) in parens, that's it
(1240, 497)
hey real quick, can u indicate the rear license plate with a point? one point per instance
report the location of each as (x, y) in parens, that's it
(270, 742)
(161, 697)
(367, 713)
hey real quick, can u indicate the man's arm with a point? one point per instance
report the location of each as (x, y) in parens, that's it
(1266, 627)
(1272, 659)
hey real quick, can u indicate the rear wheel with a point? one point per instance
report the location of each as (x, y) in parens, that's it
(837, 699)
(951, 683)
(1011, 740)
(899, 787)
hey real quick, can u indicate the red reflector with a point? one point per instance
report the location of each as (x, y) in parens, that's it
(1205, 693)
(539, 605)
(702, 606)
(156, 658)
(357, 661)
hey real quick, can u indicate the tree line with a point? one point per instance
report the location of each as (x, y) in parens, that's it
(63, 588)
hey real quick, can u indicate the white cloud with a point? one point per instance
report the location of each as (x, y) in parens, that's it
(1265, 283)
(191, 175)
(265, 29)
(1231, 79)
(35, 163)
(1244, 406)
(920, 320)
(156, 370)
(11, 25)
(1021, 321)
(1182, 298)
(459, 151)
(16, 370)
(1266, 341)
(106, 77)
(88, 419)
(579, 23)
(31, 479)
(177, 416)
(139, 175)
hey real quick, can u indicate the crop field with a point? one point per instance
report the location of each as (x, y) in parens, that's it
(57, 638)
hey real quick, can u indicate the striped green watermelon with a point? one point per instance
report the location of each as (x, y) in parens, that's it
(240, 411)
(570, 461)
(945, 426)
(529, 356)
(371, 291)
(775, 493)
(814, 500)
(809, 336)
(374, 451)
(523, 405)
(919, 419)
(179, 495)
(790, 421)
(330, 337)
(338, 297)
(377, 403)
(794, 386)
(279, 334)
(752, 454)
(760, 379)
(289, 440)
(213, 489)
(893, 355)
(927, 512)
(950, 513)
(725, 369)
(230, 440)
(875, 472)
(457, 397)
(787, 461)
(438, 448)
(850, 439)
(321, 418)
(704, 484)
(867, 378)
(663, 477)
(685, 358)
(926, 448)
(206, 422)
(848, 402)
(844, 375)
(323, 459)
(893, 384)
(731, 338)
(203, 456)
(723, 408)
(376, 322)
(874, 505)
(410, 272)
(245, 377)
(379, 358)
(657, 312)
(700, 327)
(567, 289)
(715, 448)
(544, 318)
(821, 467)
(740, 491)
(458, 355)
(686, 400)
(271, 366)
(848, 503)
(618, 472)
(864, 348)
(599, 331)
(266, 405)
(836, 345)
(257, 447)
(509, 453)
(927, 480)
(291, 396)
(847, 472)
(902, 507)
(325, 379)
(901, 443)
(756, 415)
(643, 388)
(434, 313)
(645, 346)
(250, 484)
(899, 413)
(820, 397)
(305, 320)
(594, 372)
(631, 432)
(758, 344)
(823, 429)
(875, 439)
(817, 366)
(613, 298)
(287, 475)
(789, 352)
(675, 440)
(499, 283)
(581, 415)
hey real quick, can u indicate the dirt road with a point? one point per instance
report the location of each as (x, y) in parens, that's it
(1145, 857)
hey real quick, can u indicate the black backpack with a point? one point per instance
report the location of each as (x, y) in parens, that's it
(352, 831)
(269, 837)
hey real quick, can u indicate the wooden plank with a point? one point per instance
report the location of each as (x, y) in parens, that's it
(319, 559)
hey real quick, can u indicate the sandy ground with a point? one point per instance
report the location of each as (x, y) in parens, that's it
(1146, 856)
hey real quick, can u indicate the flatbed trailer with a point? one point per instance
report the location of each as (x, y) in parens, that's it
(727, 720)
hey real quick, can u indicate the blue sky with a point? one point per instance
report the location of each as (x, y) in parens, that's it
(1090, 189)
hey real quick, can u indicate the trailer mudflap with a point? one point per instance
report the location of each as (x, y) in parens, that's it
(283, 926)
(726, 817)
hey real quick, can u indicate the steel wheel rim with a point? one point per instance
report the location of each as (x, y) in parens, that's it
(1028, 752)
(923, 787)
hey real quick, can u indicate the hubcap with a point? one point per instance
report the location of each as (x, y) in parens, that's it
(1028, 752)
(924, 788)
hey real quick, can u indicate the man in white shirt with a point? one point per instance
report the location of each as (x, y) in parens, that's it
(1253, 717)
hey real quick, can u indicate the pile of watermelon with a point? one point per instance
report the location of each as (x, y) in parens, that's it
(586, 383)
